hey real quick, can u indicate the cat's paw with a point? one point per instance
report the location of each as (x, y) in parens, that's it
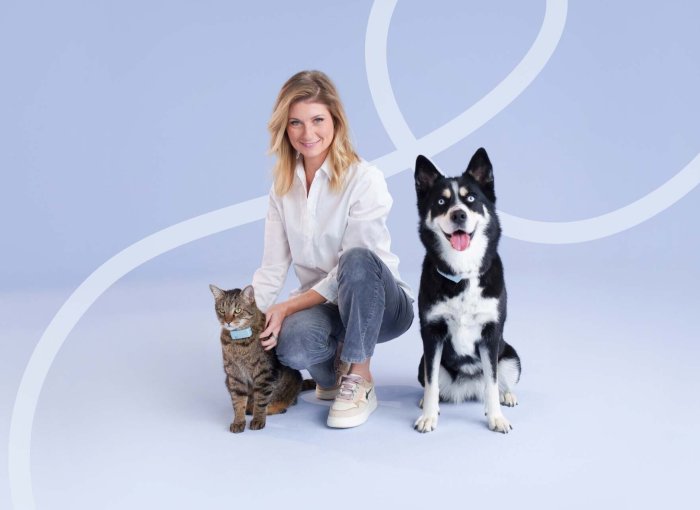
(508, 399)
(498, 423)
(256, 424)
(426, 423)
(237, 426)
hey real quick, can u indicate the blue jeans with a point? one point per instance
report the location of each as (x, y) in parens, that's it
(371, 308)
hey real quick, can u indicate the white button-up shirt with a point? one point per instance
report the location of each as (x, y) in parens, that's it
(313, 231)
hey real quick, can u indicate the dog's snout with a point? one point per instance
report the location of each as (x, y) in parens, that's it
(458, 216)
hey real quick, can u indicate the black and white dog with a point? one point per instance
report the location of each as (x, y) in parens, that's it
(462, 298)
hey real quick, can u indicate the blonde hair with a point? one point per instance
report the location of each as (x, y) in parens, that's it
(317, 87)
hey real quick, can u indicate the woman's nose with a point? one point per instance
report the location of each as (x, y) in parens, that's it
(306, 132)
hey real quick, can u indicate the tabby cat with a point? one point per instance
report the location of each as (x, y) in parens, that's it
(256, 380)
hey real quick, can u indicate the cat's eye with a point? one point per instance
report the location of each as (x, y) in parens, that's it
(220, 310)
(236, 311)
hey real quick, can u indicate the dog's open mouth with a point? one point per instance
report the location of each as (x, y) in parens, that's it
(459, 240)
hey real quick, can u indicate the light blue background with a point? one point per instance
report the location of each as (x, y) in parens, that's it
(118, 119)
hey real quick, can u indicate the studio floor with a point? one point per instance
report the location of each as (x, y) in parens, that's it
(134, 412)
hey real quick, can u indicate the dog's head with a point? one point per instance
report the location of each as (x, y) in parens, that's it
(458, 220)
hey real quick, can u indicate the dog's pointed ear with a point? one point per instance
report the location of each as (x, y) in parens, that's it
(481, 169)
(426, 174)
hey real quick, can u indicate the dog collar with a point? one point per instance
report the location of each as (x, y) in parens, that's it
(452, 277)
(241, 334)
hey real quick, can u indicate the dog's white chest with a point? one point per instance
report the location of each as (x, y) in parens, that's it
(465, 315)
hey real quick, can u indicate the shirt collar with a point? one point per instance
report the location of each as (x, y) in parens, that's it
(325, 167)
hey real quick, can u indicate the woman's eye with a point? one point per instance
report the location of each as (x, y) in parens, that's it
(318, 120)
(470, 198)
(294, 123)
(441, 201)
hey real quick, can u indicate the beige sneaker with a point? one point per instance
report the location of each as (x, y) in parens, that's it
(356, 400)
(341, 369)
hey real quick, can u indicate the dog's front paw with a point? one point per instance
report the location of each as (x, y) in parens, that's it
(426, 423)
(508, 399)
(237, 426)
(498, 423)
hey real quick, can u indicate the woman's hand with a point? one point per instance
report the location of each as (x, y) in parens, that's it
(273, 323)
(276, 314)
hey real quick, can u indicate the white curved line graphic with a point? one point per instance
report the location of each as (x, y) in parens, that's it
(75, 307)
(608, 224)
(407, 146)
(470, 120)
(376, 43)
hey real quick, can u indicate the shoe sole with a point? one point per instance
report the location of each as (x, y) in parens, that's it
(346, 422)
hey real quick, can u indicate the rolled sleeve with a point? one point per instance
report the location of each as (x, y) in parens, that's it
(328, 286)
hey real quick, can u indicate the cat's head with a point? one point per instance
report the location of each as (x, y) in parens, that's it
(235, 309)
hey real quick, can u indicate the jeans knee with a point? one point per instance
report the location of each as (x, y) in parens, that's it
(289, 356)
(356, 264)
(288, 349)
(300, 345)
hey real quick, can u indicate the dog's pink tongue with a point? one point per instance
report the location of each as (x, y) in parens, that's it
(460, 241)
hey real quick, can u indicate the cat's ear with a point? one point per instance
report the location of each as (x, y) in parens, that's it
(218, 293)
(248, 294)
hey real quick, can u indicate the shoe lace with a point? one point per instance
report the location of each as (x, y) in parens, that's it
(349, 384)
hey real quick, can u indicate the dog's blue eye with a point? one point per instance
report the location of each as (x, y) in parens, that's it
(470, 198)
(441, 201)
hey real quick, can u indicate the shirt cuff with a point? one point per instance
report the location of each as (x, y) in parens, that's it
(328, 287)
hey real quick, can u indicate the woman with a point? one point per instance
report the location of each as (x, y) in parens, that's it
(327, 217)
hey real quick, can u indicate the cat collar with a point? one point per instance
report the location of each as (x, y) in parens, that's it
(241, 334)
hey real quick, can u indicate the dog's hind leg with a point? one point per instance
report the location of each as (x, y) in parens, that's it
(508, 376)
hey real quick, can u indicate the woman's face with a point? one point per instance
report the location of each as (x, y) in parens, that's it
(310, 130)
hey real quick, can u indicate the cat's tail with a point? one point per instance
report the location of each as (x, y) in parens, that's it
(308, 384)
